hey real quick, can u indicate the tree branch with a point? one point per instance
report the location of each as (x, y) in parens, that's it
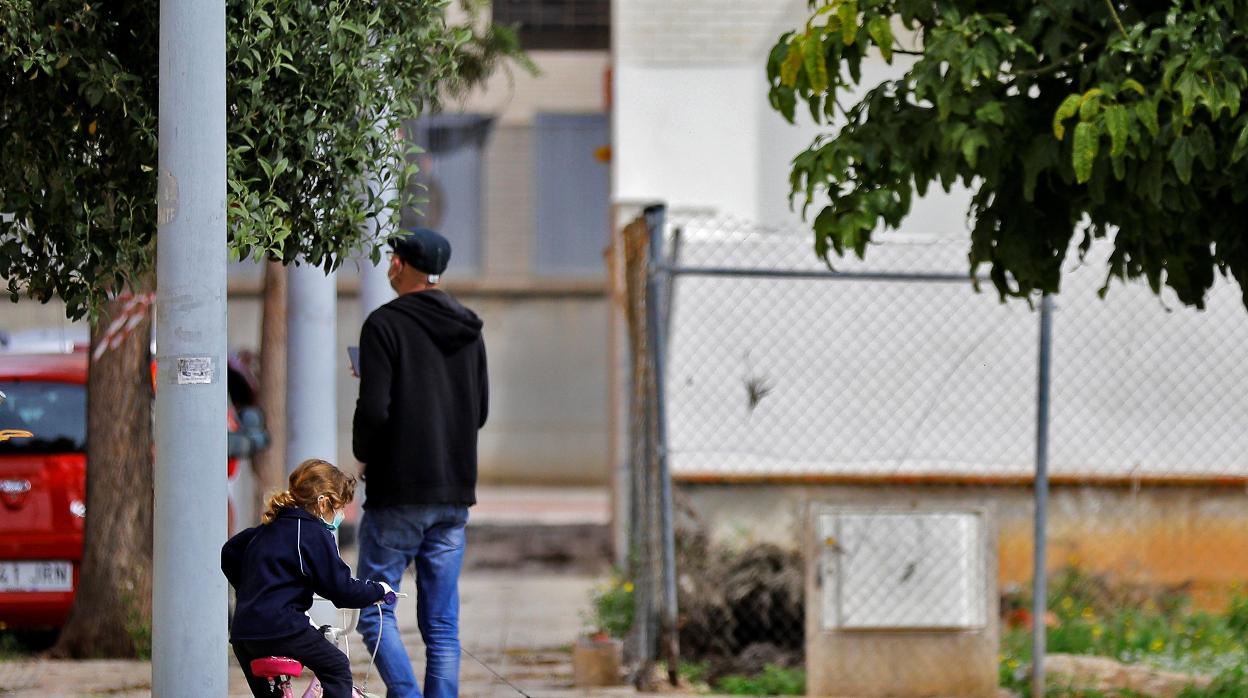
(1063, 62)
(1113, 12)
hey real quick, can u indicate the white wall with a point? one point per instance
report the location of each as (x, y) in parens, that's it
(692, 122)
(688, 136)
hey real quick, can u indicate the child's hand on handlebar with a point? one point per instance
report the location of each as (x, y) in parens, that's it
(390, 597)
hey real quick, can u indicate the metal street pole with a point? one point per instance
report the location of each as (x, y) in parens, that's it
(188, 590)
(1040, 573)
(311, 367)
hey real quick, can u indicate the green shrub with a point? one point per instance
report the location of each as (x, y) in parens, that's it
(1090, 616)
(612, 607)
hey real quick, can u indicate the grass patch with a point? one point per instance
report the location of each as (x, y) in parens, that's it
(773, 680)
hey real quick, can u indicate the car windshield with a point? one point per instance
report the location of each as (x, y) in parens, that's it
(56, 413)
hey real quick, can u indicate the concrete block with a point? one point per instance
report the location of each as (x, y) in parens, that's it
(596, 662)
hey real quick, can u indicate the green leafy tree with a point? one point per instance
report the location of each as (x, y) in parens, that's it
(316, 93)
(1070, 120)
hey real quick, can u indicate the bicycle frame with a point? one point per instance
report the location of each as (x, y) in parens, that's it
(333, 634)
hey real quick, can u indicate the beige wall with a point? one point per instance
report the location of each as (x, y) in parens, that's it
(569, 81)
(1159, 535)
(548, 370)
(548, 392)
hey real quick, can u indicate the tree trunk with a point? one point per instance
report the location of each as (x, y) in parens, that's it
(112, 611)
(270, 464)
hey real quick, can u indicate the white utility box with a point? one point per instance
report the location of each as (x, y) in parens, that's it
(902, 601)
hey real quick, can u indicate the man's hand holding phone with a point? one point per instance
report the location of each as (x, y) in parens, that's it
(353, 353)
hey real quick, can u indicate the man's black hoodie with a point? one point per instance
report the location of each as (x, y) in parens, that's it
(423, 396)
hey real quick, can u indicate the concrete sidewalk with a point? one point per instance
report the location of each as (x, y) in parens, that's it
(521, 625)
(524, 593)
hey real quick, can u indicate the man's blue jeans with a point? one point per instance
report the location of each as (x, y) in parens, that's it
(432, 536)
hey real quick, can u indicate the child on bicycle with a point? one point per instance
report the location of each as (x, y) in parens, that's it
(277, 566)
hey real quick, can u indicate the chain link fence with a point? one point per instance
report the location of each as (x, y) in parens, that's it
(852, 458)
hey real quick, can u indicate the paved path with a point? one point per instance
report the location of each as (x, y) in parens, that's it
(519, 624)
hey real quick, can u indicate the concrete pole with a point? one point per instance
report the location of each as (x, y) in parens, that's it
(188, 590)
(311, 369)
(375, 288)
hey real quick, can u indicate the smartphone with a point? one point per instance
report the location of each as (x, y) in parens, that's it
(353, 353)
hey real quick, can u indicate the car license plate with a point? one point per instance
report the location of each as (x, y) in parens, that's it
(41, 575)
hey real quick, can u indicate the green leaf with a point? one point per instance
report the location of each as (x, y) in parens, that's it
(1041, 155)
(881, 32)
(1120, 168)
(1146, 111)
(971, 143)
(847, 12)
(991, 113)
(1068, 108)
(1241, 145)
(1231, 95)
(792, 62)
(1083, 152)
(1118, 123)
(1090, 103)
(816, 68)
(1182, 155)
(1188, 87)
(1132, 84)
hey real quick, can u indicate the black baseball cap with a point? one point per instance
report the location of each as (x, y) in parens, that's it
(424, 249)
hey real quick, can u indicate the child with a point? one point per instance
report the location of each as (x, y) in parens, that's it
(277, 566)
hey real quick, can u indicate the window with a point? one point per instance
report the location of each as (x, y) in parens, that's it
(557, 24)
(447, 191)
(572, 192)
(56, 413)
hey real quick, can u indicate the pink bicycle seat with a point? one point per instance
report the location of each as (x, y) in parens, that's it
(273, 667)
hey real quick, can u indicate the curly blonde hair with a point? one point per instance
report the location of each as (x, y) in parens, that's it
(313, 479)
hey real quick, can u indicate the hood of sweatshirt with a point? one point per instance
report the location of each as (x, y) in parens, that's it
(450, 325)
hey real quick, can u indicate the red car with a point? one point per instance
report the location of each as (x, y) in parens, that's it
(43, 482)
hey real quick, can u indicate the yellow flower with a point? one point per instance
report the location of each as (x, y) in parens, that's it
(1068, 603)
(1156, 645)
(1097, 631)
(628, 587)
(1013, 664)
(1087, 613)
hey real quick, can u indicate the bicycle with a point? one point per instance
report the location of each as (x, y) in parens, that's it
(281, 671)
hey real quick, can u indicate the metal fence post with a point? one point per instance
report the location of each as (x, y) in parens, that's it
(188, 591)
(1040, 576)
(658, 292)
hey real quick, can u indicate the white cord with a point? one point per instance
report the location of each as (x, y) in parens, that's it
(381, 626)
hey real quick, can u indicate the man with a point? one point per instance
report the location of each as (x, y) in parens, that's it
(423, 396)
